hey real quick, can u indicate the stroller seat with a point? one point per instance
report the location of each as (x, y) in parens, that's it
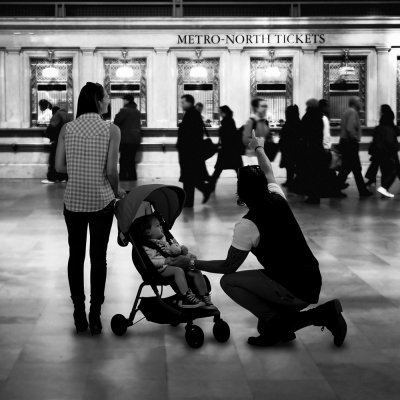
(166, 202)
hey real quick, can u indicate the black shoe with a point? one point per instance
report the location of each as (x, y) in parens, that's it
(95, 322)
(329, 315)
(344, 186)
(370, 183)
(81, 323)
(366, 193)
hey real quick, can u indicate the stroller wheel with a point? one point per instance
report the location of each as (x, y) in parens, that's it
(221, 331)
(119, 324)
(194, 336)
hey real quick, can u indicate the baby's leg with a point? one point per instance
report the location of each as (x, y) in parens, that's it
(198, 281)
(179, 276)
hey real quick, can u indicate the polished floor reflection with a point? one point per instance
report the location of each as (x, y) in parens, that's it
(41, 358)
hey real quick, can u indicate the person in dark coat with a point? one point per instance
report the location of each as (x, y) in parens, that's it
(314, 154)
(230, 153)
(288, 143)
(191, 160)
(128, 120)
(385, 149)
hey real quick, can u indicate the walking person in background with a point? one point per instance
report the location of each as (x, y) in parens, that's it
(200, 107)
(128, 121)
(330, 181)
(289, 143)
(312, 128)
(59, 118)
(350, 138)
(385, 150)
(259, 124)
(45, 112)
(191, 160)
(88, 151)
(230, 153)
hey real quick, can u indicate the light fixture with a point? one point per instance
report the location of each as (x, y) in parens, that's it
(124, 71)
(198, 72)
(345, 71)
(271, 72)
(50, 72)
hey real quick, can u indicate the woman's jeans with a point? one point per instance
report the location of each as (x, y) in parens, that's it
(259, 294)
(99, 223)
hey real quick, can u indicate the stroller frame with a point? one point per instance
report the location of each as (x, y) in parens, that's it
(160, 309)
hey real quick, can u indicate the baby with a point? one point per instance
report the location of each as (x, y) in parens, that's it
(149, 232)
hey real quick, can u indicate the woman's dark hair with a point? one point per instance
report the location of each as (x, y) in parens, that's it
(252, 187)
(387, 116)
(227, 111)
(89, 97)
(189, 98)
(141, 225)
(255, 103)
(292, 114)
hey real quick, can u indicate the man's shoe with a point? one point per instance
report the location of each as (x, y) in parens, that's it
(370, 183)
(344, 186)
(384, 192)
(207, 194)
(47, 182)
(329, 315)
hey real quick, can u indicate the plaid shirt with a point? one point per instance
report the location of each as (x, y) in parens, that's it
(86, 145)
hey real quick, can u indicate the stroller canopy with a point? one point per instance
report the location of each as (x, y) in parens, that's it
(166, 200)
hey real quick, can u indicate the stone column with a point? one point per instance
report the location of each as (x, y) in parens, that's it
(237, 85)
(386, 76)
(159, 91)
(13, 99)
(2, 90)
(307, 77)
(87, 72)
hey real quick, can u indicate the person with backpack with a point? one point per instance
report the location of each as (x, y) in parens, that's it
(259, 124)
(230, 142)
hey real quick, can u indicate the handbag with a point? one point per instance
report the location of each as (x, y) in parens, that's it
(208, 146)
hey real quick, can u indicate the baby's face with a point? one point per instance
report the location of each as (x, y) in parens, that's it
(156, 231)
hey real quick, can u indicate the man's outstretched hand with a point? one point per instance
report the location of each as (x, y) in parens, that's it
(256, 141)
(180, 261)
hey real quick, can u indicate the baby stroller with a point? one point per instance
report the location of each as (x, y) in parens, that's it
(166, 202)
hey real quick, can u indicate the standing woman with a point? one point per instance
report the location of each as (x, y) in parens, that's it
(289, 142)
(88, 151)
(386, 150)
(230, 154)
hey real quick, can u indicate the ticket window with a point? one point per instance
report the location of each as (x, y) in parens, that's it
(205, 89)
(51, 82)
(343, 80)
(274, 83)
(133, 83)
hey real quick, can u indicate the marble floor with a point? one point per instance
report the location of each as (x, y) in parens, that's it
(41, 357)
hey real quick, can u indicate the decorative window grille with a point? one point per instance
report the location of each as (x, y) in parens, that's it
(117, 87)
(205, 91)
(58, 90)
(278, 92)
(338, 91)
